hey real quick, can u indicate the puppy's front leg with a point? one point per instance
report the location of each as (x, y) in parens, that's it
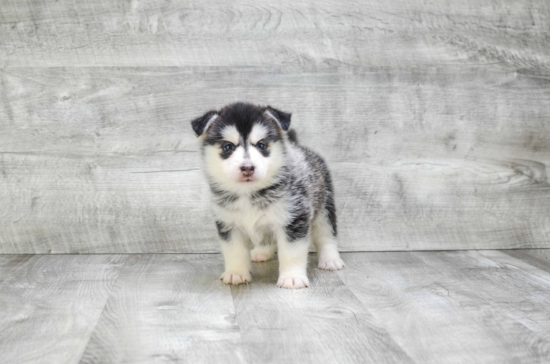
(293, 262)
(236, 254)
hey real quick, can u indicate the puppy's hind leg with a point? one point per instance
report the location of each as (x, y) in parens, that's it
(324, 238)
(265, 249)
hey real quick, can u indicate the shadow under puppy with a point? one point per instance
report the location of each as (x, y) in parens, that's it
(269, 193)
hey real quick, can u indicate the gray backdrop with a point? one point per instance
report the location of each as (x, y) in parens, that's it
(434, 117)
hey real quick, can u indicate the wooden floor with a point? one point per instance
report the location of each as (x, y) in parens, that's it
(386, 307)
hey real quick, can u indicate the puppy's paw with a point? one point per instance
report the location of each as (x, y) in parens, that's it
(331, 264)
(295, 281)
(236, 278)
(257, 255)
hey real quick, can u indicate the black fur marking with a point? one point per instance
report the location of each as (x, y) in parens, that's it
(223, 198)
(200, 123)
(292, 136)
(243, 116)
(268, 195)
(282, 117)
(298, 227)
(331, 213)
(223, 231)
(330, 206)
(224, 154)
(266, 151)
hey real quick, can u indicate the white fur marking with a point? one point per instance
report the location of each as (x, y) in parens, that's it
(292, 263)
(257, 133)
(208, 123)
(237, 260)
(268, 113)
(231, 134)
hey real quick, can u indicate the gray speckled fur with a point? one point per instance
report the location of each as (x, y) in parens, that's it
(310, 187)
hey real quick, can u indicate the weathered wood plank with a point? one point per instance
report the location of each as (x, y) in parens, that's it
(512, 290)
(518, 261)
(425, 307)
(278, 33)
(453, 307)
(49, 305)
(167, 308)
(324, 323)
(103, 159)
(539, 258)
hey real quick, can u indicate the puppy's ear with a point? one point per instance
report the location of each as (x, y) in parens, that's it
(282, 118)
(200, 125)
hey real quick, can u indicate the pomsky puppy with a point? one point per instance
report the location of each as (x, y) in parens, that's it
(269, 193)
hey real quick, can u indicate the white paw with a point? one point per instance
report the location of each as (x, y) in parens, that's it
(293, 282)
(259, 256)
(236, 278)
(331, 264)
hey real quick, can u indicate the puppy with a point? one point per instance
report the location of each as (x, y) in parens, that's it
(269, 193)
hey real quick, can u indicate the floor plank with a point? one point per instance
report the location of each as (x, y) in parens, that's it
(528, 293)
(168, 308)
(540, 258)
(440, 311)
(325, 323)
(385, 307)
(49, 304)
(499, 292)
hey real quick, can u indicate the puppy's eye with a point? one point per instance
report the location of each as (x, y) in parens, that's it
(228, 147)
(261, 145)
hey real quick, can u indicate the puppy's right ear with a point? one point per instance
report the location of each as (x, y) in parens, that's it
(200, 125)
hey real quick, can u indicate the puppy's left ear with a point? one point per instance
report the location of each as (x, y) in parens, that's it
(282, 118)
(200, 125)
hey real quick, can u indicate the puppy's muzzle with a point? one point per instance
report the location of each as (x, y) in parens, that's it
(247, 170)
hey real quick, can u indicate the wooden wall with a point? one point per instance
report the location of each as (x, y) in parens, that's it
(434, 117)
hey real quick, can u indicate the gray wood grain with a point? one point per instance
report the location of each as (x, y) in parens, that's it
(510, 290)
(425, 307)
(103, 159)
(285, 33)
(433, 117)
(49, 305)
(454, 307)
(167, 308)
(539, 258)
(324, 323)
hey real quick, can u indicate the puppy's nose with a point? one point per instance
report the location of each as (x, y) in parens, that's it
(247, 170)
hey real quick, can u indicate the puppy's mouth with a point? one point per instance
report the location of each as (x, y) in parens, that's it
(247, 179)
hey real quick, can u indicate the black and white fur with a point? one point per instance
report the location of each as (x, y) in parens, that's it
(269, 193)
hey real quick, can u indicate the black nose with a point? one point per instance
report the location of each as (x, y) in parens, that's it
(247, 170)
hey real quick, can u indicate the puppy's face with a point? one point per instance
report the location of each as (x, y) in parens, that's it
(242, 145)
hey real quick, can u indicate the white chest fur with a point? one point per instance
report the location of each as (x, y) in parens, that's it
(252, 220)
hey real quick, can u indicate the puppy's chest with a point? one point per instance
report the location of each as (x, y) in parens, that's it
(244, 214)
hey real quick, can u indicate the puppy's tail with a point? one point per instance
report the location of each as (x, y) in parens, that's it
(292, 136)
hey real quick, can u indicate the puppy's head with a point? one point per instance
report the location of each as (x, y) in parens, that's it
(243, 145)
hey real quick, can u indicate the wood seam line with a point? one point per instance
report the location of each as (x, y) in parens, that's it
(519, 268)
(104, 305)
(375, 319)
